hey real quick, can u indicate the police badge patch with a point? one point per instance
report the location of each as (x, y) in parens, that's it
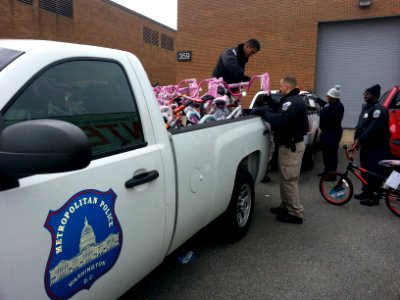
(376, 114)
(86, 242)
(286, 105)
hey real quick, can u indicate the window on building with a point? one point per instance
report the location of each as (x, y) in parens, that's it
(30, 2)
(150, 36)
(60, 7)
(94, 95)
(64, 8)
(167, 42)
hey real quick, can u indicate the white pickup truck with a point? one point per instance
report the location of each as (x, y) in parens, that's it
(94, 191)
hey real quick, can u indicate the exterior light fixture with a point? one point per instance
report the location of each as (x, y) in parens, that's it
(364, 3)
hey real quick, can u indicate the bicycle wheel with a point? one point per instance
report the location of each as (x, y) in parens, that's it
(392, 200)
(336, 188)
(207, 119)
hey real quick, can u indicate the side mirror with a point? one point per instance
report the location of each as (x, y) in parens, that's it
(42, 146)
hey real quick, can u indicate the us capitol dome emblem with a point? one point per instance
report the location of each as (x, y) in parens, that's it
(86, 242)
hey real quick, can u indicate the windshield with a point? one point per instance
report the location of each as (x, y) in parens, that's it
(383, 98)
(7, 56)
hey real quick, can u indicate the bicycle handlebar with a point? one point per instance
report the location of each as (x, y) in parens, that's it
(190, 101)
(264, 79)
(349, 152)
(192, 87)
(182, 106)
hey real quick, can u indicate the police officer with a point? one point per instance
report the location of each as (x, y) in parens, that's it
(289, 123)
(372, 137)
(231, 63)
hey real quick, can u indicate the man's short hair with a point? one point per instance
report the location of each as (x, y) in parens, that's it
(290, 80)
(254, 43)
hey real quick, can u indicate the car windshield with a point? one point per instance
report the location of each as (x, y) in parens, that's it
(383, 98)
(7, 56)
(309, 98)
(276, 96)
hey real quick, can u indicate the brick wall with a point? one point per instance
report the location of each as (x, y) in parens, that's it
(96, 22)
(286, 29)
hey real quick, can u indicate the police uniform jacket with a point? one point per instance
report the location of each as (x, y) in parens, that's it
(373, 126)
(331, 116)
(289, 121)
(231, 65)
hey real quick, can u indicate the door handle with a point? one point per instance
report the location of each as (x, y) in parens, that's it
(141, 178)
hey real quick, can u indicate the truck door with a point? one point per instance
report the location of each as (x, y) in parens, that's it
(94, 232)
(391, 100)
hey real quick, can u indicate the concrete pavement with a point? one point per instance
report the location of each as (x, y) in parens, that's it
(346, 252)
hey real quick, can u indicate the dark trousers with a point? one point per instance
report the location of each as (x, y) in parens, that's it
(369, 159)
(329, 146)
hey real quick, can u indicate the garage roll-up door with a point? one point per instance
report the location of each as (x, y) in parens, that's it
(357, 55)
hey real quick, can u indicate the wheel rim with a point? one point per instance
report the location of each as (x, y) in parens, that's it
(336, 192)
(243, 205)
(393, 202)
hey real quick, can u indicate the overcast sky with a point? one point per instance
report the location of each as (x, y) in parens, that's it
(163, 11)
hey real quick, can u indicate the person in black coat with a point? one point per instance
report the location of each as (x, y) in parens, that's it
(372, 136)
(289, 123)
(331, 116)
(231, 63)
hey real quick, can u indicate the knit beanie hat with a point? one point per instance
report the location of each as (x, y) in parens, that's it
(374, 90)
(334, 92)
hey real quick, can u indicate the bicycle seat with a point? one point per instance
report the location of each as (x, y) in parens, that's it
(223, 100)
(207, 97)
(391, 163)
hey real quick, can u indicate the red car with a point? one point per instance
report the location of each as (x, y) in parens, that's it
(391, 100)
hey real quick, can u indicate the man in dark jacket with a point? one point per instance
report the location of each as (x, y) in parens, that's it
(289, 123)
(232, 62)
(372, 136)
(331, 116)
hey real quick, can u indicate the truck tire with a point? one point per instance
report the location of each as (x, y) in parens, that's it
(241, 207)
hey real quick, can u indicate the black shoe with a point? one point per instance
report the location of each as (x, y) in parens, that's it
(361, 196)
(266, 179)
(289, 219)
(321, 174)
(279, 211)
(370, 202)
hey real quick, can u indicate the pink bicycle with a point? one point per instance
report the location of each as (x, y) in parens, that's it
(182, 105)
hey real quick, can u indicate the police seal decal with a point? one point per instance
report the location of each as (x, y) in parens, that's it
(376, 114)
(86, 242)
(286, 105)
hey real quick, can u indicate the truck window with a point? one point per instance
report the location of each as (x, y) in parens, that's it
(396, 100)
(395, 104)
(7, 56)
(93, 95)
